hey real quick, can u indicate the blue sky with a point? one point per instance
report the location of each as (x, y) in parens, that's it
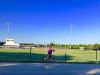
(45, 21)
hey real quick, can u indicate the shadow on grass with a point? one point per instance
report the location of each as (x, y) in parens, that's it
(55, 58)
(37, 58)
(26, 57)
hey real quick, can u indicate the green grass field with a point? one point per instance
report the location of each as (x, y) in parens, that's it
(38, 54)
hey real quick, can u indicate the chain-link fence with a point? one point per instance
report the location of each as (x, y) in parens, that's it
(37, 55)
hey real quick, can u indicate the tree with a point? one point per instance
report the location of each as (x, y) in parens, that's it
(51, 44)
(96, 46)
(2, 43)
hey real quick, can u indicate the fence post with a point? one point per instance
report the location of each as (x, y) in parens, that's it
(65, 57)
(30, 53)
(96, 55)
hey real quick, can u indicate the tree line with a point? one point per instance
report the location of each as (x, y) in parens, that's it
(77, 46)
(73, 46)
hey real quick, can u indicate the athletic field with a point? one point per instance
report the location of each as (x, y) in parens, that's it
(60, 55)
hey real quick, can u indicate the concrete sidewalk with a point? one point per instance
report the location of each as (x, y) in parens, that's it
(49, 69)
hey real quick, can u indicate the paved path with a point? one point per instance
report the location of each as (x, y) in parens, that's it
(49, 69)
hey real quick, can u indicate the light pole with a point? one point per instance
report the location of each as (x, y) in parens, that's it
(46, 35)
(71, 29)
(8, 27)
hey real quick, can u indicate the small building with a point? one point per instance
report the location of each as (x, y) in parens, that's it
(11, 43)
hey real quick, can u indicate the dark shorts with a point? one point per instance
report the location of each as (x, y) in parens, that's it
(49, 56)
